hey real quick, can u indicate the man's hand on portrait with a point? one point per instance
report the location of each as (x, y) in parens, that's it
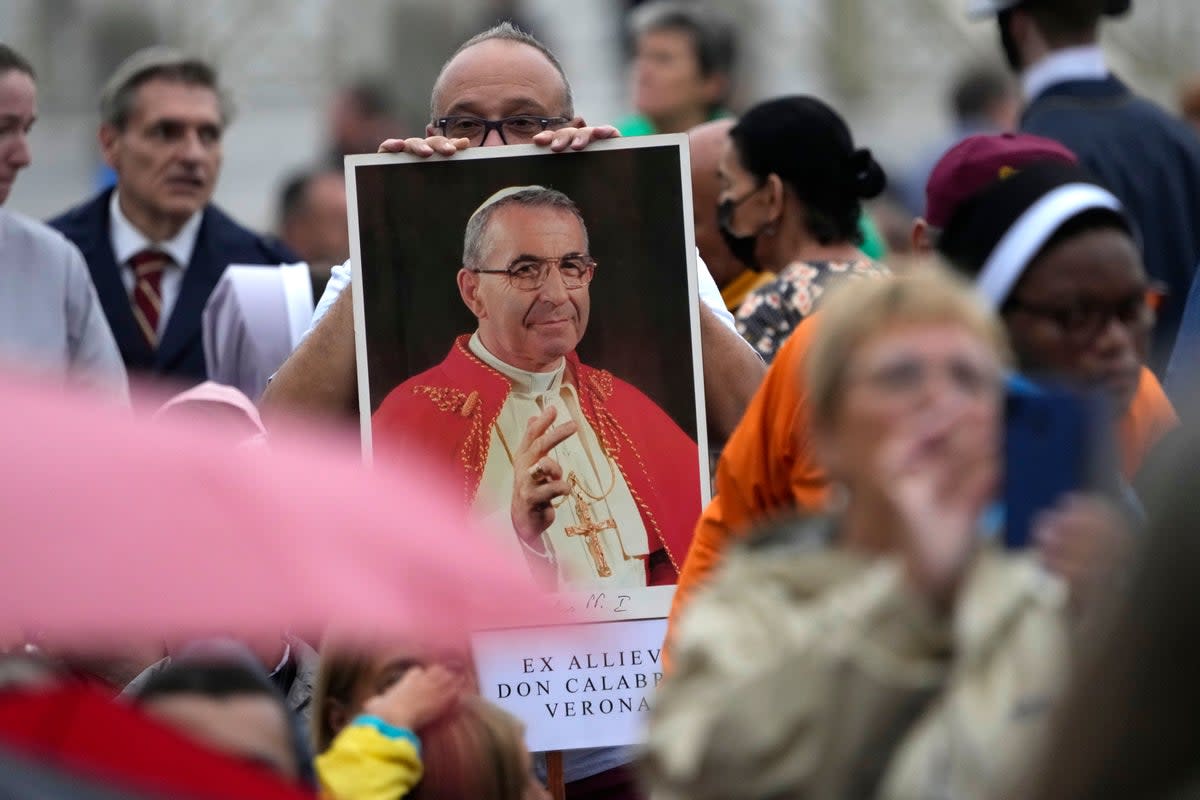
(575, 138)
(537, 478)
(424, 148)
(556, 141)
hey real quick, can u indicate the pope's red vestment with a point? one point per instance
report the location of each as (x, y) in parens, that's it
(448, 412)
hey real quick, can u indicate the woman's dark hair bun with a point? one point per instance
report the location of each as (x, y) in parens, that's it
(869, 178)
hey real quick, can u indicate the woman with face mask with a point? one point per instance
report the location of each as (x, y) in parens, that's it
(791, 185)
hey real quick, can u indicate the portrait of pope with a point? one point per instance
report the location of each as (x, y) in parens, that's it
(582, 475)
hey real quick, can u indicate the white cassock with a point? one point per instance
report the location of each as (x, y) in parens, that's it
(597, 539)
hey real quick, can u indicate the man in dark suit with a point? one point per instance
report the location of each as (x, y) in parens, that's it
(155, 245)
(1148, 158)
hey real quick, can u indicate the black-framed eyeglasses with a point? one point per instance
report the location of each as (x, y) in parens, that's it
(529, 274)
(1083, 322)
(520, 128)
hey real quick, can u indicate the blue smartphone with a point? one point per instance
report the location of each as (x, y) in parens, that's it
(1056, 441)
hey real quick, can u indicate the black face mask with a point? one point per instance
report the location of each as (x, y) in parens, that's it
(742, 247)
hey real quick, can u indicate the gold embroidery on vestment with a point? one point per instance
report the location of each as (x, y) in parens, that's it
(596, 390)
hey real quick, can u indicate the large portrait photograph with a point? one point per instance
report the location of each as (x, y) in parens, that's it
(528, 321)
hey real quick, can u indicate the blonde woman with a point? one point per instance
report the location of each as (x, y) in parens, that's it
(881, 651)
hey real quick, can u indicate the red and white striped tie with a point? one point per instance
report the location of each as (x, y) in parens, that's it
(148, 267)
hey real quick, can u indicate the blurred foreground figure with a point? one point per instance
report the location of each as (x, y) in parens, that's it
(70, 741)
(230, 706)
(884, 651)
(289, 662)
(247, 557)
(215, 402)
(290, 665)
(1126, 727)
(50, 317)
(415, 737)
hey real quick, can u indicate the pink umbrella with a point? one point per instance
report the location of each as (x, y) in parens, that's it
(114, 528)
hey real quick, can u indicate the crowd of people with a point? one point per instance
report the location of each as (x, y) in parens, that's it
(854, 615)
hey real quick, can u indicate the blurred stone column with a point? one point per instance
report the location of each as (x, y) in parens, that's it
(847, 50)
(586, 37)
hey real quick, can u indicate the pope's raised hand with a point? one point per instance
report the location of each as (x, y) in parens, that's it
(537, 478)
(424, 148)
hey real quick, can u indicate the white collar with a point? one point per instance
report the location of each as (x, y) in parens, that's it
(524, 382)
(128, 241)
(1069, 64)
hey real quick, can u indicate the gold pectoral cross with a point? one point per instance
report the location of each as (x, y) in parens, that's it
(590, 530)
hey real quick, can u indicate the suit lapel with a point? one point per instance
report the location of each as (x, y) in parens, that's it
(97, 251)
(199, 279)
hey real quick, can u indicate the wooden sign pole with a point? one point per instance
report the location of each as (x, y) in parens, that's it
(555, 779)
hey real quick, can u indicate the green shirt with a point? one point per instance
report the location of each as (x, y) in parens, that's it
(638, 125)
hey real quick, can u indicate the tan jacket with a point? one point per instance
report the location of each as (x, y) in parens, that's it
(813, 672)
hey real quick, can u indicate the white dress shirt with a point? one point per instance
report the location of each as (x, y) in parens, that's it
(1069, 64)
(128, 241)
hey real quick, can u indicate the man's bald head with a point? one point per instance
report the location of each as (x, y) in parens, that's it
(509, 68)
(705, 143)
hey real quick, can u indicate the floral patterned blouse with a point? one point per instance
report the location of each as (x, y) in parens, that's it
(772, 311)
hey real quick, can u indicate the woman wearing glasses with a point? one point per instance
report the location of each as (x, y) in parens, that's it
(1054, 253)
(884, 650)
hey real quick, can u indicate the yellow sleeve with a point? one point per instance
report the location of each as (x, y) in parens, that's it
(370, 760)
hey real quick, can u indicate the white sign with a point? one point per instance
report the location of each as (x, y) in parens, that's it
(574, 686)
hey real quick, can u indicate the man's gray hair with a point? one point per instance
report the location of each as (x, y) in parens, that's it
(165, 63)
(506, 32)
(475, 238)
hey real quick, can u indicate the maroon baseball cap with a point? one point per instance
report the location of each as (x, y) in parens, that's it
(978, 161)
